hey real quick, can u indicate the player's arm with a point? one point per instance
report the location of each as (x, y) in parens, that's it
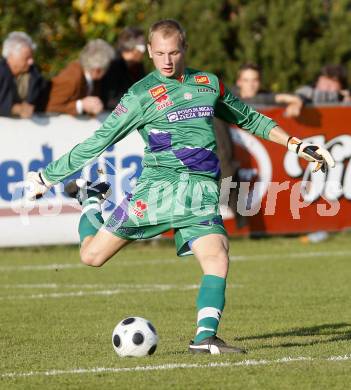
(126, 117)
(231, 109)
(313, 153)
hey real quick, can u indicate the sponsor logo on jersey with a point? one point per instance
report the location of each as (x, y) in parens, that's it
(206, 90)
(158, 91)
(163, 102)
(191, 113)
(139, 207)
(120, 109)
(202, 79)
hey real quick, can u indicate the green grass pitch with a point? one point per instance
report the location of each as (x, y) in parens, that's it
(287, 302)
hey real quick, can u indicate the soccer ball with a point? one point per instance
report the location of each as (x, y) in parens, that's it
(134, 336)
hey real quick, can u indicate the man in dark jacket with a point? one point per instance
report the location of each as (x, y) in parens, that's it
(22, 87)
(126, 68)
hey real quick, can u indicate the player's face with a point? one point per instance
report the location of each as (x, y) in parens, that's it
(167, 54)
(249, 83)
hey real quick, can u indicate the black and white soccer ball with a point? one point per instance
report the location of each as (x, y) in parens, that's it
(134, 336)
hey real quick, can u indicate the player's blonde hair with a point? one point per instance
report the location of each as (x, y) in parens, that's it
(168, 27)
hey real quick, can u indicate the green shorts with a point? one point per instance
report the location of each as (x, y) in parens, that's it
(165, 199)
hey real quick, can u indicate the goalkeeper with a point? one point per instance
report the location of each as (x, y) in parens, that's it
(173, 109)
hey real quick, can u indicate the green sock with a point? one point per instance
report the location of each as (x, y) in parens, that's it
(91, 219)
(210, 304)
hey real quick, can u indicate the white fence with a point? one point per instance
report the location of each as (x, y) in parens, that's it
(30, 144)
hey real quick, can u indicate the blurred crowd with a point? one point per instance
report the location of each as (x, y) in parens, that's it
(89, 85)
(102, 74)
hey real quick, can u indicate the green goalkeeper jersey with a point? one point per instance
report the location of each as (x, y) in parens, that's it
(175, 120)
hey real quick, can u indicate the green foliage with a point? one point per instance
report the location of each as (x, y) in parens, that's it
(53, 26)
(290, 40)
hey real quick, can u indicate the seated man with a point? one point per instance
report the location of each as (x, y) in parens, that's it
(330, 87)
(76, 89)
(248, 88)
(21, 84)
(126, 68)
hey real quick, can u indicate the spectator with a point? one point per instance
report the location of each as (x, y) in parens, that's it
(76, 89)
(248, 89)
(21, 84)
(127, 68)
(330, 87)
(229, 165)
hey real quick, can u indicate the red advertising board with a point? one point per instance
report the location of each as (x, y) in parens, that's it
(282, 195)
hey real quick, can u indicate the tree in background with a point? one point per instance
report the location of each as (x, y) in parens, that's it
(291, 40)
(51, 23)
(99, 19)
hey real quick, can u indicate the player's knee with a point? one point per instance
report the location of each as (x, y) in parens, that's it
(222, 259)
(223, 255)
(216, 264)
(218, 259)
(223, 246)
(90, 258)
(220, 252)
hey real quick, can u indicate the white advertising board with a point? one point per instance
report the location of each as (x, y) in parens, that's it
(30, 144)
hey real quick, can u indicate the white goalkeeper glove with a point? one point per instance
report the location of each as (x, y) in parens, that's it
(36, 185)
(312, 153)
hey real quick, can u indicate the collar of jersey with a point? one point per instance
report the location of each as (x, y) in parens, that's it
(171, 80)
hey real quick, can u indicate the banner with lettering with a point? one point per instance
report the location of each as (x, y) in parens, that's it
(279, 194)
(29, 145)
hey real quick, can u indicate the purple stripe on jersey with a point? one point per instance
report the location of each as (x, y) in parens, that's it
(119, 214)
(215, 221)
(199, 159)
(159, 141)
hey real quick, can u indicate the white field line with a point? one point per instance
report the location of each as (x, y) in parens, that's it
(39, 267)
(100, 285)
(45, 267)
(172, 366)
(131, 263)
(284, 256)
(122, 289)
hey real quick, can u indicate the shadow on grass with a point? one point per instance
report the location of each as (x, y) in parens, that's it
(338, 332)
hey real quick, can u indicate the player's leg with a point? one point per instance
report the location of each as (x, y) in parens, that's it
(96, 250)
(97, 245)
(209, 243)
(127, 223)
(212, 253)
